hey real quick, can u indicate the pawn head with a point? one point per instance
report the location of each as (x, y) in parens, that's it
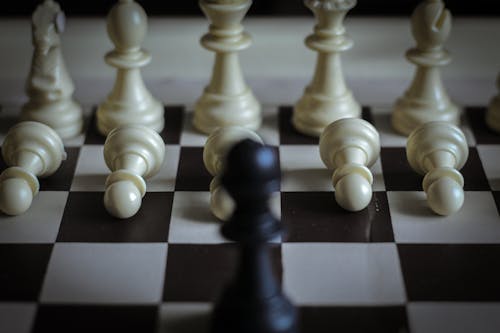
(251, 171)
(127, 26)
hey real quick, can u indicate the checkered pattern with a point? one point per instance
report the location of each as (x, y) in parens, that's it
(67, 266)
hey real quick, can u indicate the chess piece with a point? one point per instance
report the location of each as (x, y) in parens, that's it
(31, 150)
(214, 155)
(132, 153)
(49, 86)
(253, 302)
(226, 100)
(426, 98)
(437, 150)
(493, 113)
(326, 98)
(350, 146)
(129, 102)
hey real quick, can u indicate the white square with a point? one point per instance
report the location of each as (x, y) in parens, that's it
(184, 317)
(303, 170)
(342, 274)
(91, 170)
(414, 222)
(164, 180)
(97, 273)
(191, 221)
(489, 155)
(16, 317)
(454, 317)
(40, 224)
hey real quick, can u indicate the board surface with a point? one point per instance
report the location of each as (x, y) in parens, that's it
(67, 266)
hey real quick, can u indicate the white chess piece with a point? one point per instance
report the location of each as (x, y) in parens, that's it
(49, 86)
(32, 150)
(438, 150)
(129, 102)
(132, 153)
(426, 99)
(493, 113)
(216, 147)
(326, 98)
(226, 100)
(350, 146)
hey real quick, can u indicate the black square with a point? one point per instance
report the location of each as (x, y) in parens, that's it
(482, 133)
(22, 270)
(197, 273)
(88, 318)
(191, 172)
(354, 319)
(399, 176)
(290, 136)
(465, 272)
(86, 220)
(316, 217)
(170, 134)
(62, 178)
(473, 172)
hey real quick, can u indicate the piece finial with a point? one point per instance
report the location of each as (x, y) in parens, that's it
(127, 26)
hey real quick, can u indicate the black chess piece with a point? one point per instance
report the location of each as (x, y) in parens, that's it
(253, 301)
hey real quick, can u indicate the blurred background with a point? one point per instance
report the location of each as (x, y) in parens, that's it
(259, 7)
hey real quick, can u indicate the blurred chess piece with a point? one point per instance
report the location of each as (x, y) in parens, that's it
(350, 146)
(49, 86)
(31, 150)
(438, 150)
(326, 98)
(216, 148)
(132, 153)
(253, 301)
(226, 100)
(493, 113)
(426, 99)
(129, 102)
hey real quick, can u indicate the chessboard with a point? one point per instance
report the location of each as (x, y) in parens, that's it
(67, 266)
(393, 267)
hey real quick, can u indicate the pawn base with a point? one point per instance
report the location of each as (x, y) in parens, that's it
(237, 313)
(215, 110)
(409, 114)
(63, 116)
(493, 115)
(112, 114)
(313, 112)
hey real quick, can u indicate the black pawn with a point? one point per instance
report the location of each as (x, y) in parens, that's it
(253, 301)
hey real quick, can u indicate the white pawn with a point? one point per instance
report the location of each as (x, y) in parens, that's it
(437, 150)
(350, 146)
(226, 100)
(493, 113)
(132, 153)
(426, 99)
(327, 97)
(129, 102)
(216, 147)
(49, 86)
(32, 150)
